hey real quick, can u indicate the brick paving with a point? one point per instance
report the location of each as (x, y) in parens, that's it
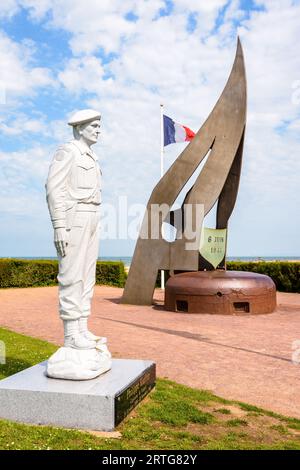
(242, 357)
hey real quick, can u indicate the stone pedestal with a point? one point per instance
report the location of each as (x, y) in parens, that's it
(99, 404)
(220, 292)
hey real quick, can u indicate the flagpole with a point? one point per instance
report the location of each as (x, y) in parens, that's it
(162, 272)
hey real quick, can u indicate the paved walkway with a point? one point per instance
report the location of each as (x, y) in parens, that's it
(247, 358)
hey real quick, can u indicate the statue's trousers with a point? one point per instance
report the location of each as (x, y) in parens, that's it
(77, 268)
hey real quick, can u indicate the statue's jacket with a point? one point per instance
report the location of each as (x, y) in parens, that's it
(74, 177)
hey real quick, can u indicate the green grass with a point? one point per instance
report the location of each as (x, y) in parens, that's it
(236, 422)
(279, 428)
(224, 411)
(22, 352)
(171, 417)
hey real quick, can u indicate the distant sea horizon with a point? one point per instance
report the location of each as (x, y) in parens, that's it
(127, 259)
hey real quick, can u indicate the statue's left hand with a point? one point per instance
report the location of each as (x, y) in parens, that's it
(61, 241)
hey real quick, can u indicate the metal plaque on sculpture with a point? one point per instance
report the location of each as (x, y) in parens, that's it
(129, 398)
(213, 245)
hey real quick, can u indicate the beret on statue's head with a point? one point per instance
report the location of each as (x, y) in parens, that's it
(85, 115)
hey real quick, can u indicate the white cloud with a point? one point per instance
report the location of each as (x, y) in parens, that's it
(20, 124)
(94, 24)
(161, 61)
(37, 8)
(82, 74)
(275, 4)
(23, 175)
(8, 8)
(196, 5)
(27, 130)
(18, 75)
(59, 131)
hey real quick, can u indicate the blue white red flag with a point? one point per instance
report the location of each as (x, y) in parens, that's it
(175, 132)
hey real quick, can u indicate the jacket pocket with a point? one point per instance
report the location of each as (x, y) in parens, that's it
(86, 175)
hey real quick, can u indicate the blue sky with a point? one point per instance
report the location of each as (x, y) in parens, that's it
(125, 58)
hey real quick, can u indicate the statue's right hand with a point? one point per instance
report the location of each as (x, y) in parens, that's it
(61, 241)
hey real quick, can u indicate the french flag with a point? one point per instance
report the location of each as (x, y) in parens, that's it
(175, 132)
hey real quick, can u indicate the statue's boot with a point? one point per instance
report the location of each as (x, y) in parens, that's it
(74, 339)
(102, 347)
(84, 331)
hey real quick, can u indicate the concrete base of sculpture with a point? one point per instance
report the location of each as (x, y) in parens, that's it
(99, 404)
(75, 364)
(220, 292)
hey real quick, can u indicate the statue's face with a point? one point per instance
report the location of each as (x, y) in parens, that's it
(90, 131)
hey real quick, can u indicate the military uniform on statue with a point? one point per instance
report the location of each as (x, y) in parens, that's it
(74, 197)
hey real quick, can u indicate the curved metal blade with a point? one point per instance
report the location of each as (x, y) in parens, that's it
(223, 133)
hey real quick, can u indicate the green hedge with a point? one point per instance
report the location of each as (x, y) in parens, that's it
(286, 275)
(111, 273)
(34, 273)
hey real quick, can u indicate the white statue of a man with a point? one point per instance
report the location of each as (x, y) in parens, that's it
(74, 195)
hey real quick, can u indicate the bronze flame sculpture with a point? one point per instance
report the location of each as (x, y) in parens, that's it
(222, 134)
